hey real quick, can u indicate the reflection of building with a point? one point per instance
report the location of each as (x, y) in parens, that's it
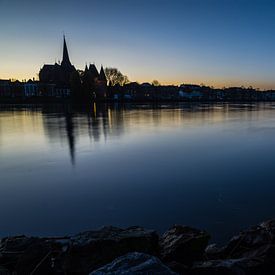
(69, 123)
(61, 126)
(68, 126)
(58, 74)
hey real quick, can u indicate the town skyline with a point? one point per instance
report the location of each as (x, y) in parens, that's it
(222, 43)
(195, 81)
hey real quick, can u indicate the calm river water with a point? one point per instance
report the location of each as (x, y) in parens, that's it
(65, 170)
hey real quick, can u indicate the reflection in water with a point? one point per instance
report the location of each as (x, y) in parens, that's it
(206, 165)
(70, 133)
(65, 122)
(102, 120)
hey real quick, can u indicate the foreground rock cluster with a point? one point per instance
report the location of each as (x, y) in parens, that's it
(134, 250)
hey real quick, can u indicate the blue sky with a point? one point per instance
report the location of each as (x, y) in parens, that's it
(216, 42)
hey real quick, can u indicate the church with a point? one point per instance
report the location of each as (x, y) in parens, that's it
(90, 83)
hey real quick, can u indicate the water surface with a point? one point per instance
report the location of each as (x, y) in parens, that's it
(66, 169)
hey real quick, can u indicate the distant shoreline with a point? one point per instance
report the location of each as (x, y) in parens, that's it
(68, 101)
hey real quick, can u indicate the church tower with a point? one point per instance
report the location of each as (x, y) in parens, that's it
(58, 74)
(101, 84)
(102, 76)
(66, 60)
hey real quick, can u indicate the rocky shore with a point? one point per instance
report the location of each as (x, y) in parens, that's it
(135, 250)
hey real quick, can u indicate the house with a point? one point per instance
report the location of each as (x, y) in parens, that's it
(5, 88)
(31, 88)
(190, 95)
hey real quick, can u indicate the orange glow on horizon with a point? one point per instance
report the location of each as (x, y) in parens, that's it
(215, 82)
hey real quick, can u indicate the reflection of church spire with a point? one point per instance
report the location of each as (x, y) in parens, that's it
(66, 60)
(70, 135)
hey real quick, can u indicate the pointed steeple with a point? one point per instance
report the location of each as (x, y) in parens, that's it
(66, 60)
(102, 75)
(93, 70)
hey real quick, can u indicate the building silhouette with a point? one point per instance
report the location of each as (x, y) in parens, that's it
(59, 74)
(88, 85)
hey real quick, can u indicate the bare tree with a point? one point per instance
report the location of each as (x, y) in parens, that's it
(114, 76)
(155, 83)
(80, 72)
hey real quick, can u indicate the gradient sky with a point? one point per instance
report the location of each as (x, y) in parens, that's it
(216, 42)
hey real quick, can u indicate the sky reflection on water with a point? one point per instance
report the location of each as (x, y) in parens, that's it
(64, 169)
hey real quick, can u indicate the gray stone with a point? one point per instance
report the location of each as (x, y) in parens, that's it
(80, 254)
(23, 255)
(4, 271)
(183, 244)
(92, 249)
(228, 267)
(135, 263)
(252, 251)
(249, 241)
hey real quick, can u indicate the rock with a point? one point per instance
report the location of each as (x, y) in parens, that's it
(252, 251)
(212, 249)
(228, 267)
(135, 263)
(182, 249)
(4, 271)
(23, 255)
(183, 244)
(92, 249)
(178, 268)
(212, 252)
(254, 242)
(79, 254)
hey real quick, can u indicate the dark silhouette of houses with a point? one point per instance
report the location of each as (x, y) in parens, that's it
(101, 84)
(59, 74)
(93, 71)
(94, 84)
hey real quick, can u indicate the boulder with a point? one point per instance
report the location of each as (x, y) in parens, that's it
(79, 254)
(92, 249)
(228, 267)
(183, 249)
(178, 268)
(183, 244)
(134, 263)
(24, 255)
(252, 251)
(212, 252)
(254, 242)
(4, 271)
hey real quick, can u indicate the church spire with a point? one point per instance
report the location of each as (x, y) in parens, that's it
(102, 75)
(66, 60)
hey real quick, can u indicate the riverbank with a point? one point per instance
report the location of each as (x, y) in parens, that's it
(52, 100)
(135, 250)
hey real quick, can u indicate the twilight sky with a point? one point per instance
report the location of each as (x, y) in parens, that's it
(216, 42)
